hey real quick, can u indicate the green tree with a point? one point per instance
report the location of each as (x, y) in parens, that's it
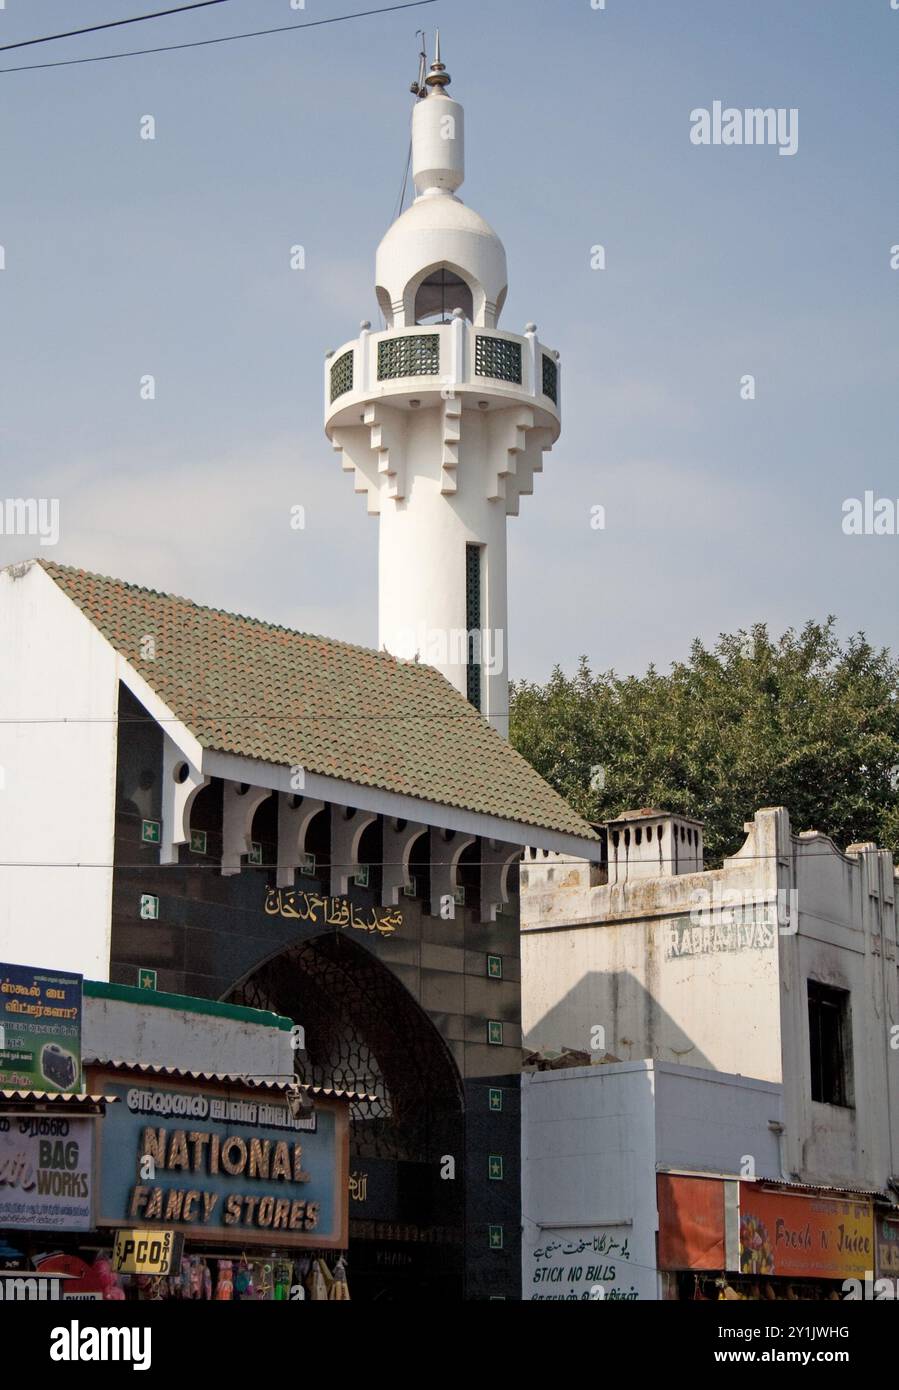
(802, 721)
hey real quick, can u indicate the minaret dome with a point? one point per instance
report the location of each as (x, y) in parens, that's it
(440, 255)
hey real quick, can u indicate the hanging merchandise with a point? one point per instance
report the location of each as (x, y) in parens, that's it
(110, 1281)
(317, 1284)
(283, 1279)
(339, 1291)
(265, 1289)
(243, 1280)
(224, 1287)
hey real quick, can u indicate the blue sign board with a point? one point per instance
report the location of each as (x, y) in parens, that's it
(223, 1163)
(40, 1029)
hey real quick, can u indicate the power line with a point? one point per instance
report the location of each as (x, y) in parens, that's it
(111, 24)
(227, 38)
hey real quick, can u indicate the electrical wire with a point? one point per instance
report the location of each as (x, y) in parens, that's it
(226, 38)
(111, 24)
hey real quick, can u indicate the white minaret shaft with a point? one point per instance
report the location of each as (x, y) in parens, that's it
(443, 419)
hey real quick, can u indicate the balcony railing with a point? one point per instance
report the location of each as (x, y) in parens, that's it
(450, 354)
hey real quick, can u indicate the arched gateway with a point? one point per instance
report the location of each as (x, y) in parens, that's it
(365, 1032)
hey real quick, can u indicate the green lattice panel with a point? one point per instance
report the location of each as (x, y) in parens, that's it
(497, 357)
(342, 375)
(415, 354)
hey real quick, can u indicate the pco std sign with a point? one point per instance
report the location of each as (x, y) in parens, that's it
(147, 1252)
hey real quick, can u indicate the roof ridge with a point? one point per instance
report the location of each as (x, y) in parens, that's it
(52, 566)
(260, 690)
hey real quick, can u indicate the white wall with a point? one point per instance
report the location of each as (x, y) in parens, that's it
(626, 958)
(709, 1121)
(846, 939)
(58, 701)
(588, 1182)
(593, 1139)
(120, 1030)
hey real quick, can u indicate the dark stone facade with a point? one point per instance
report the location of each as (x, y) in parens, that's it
(412, 1009)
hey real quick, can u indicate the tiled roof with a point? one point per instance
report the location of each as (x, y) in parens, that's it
(247, 687)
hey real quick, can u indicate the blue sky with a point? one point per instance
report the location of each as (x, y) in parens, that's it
(171, 257)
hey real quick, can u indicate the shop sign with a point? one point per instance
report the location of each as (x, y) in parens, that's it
(782, 1233)
(693, 1224)
(147, 1252)
(46, 1165)
(593, 1263)
(887, 1262)
(40, 1029)
(222, 1164)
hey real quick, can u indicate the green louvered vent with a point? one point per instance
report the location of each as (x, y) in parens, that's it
(497, 357)
(342, 375)
(473, 622)
(416, 354)
(550, 379)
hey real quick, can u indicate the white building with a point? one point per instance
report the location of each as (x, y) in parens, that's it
(776, 972)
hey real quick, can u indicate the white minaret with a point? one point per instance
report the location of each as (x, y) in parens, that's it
(442, 418)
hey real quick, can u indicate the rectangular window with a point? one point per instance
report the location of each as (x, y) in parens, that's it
(473, 621)
(830, 1044)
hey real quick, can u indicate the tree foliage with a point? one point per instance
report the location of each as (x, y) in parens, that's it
(802, 721)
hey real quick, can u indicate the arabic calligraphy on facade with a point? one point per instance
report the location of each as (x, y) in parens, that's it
(358, 1185)
(332, 912)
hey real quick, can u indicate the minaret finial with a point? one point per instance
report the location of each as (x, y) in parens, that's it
(438, 77)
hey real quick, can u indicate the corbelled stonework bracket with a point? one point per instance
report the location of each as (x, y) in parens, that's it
(497, 858)
(347, 828)
(507, 431)
(528, 463)
(396, 853)
(293, 826)
(239, 805)
(451, 432)
(180, 783)
(388, 442)
(353, 443)
(446, 851)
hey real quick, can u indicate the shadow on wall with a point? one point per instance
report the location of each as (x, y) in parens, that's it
(613, 1016)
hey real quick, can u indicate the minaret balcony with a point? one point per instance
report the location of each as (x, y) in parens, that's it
(422, 365)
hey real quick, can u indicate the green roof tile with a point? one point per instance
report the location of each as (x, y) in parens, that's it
(247, 687)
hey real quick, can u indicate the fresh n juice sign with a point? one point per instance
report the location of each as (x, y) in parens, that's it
(804, 1236)
(40, 1029)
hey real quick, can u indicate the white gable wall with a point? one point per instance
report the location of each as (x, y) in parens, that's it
(58, 707)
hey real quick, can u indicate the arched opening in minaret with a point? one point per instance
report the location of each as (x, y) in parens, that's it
(439, 294)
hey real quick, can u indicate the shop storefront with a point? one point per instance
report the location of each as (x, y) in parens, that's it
(177, 1186)
(727, 1239)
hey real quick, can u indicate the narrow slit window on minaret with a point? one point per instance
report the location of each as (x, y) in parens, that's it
(473, 621)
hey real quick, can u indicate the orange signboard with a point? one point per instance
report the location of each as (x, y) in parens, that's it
(803, 1235)
(691, 1222)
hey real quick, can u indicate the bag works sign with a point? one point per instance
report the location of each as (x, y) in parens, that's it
(223, 1162)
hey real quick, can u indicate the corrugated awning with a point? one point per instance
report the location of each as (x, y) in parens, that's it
(279, 1085)
(778, 1184)
(71, 1100)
